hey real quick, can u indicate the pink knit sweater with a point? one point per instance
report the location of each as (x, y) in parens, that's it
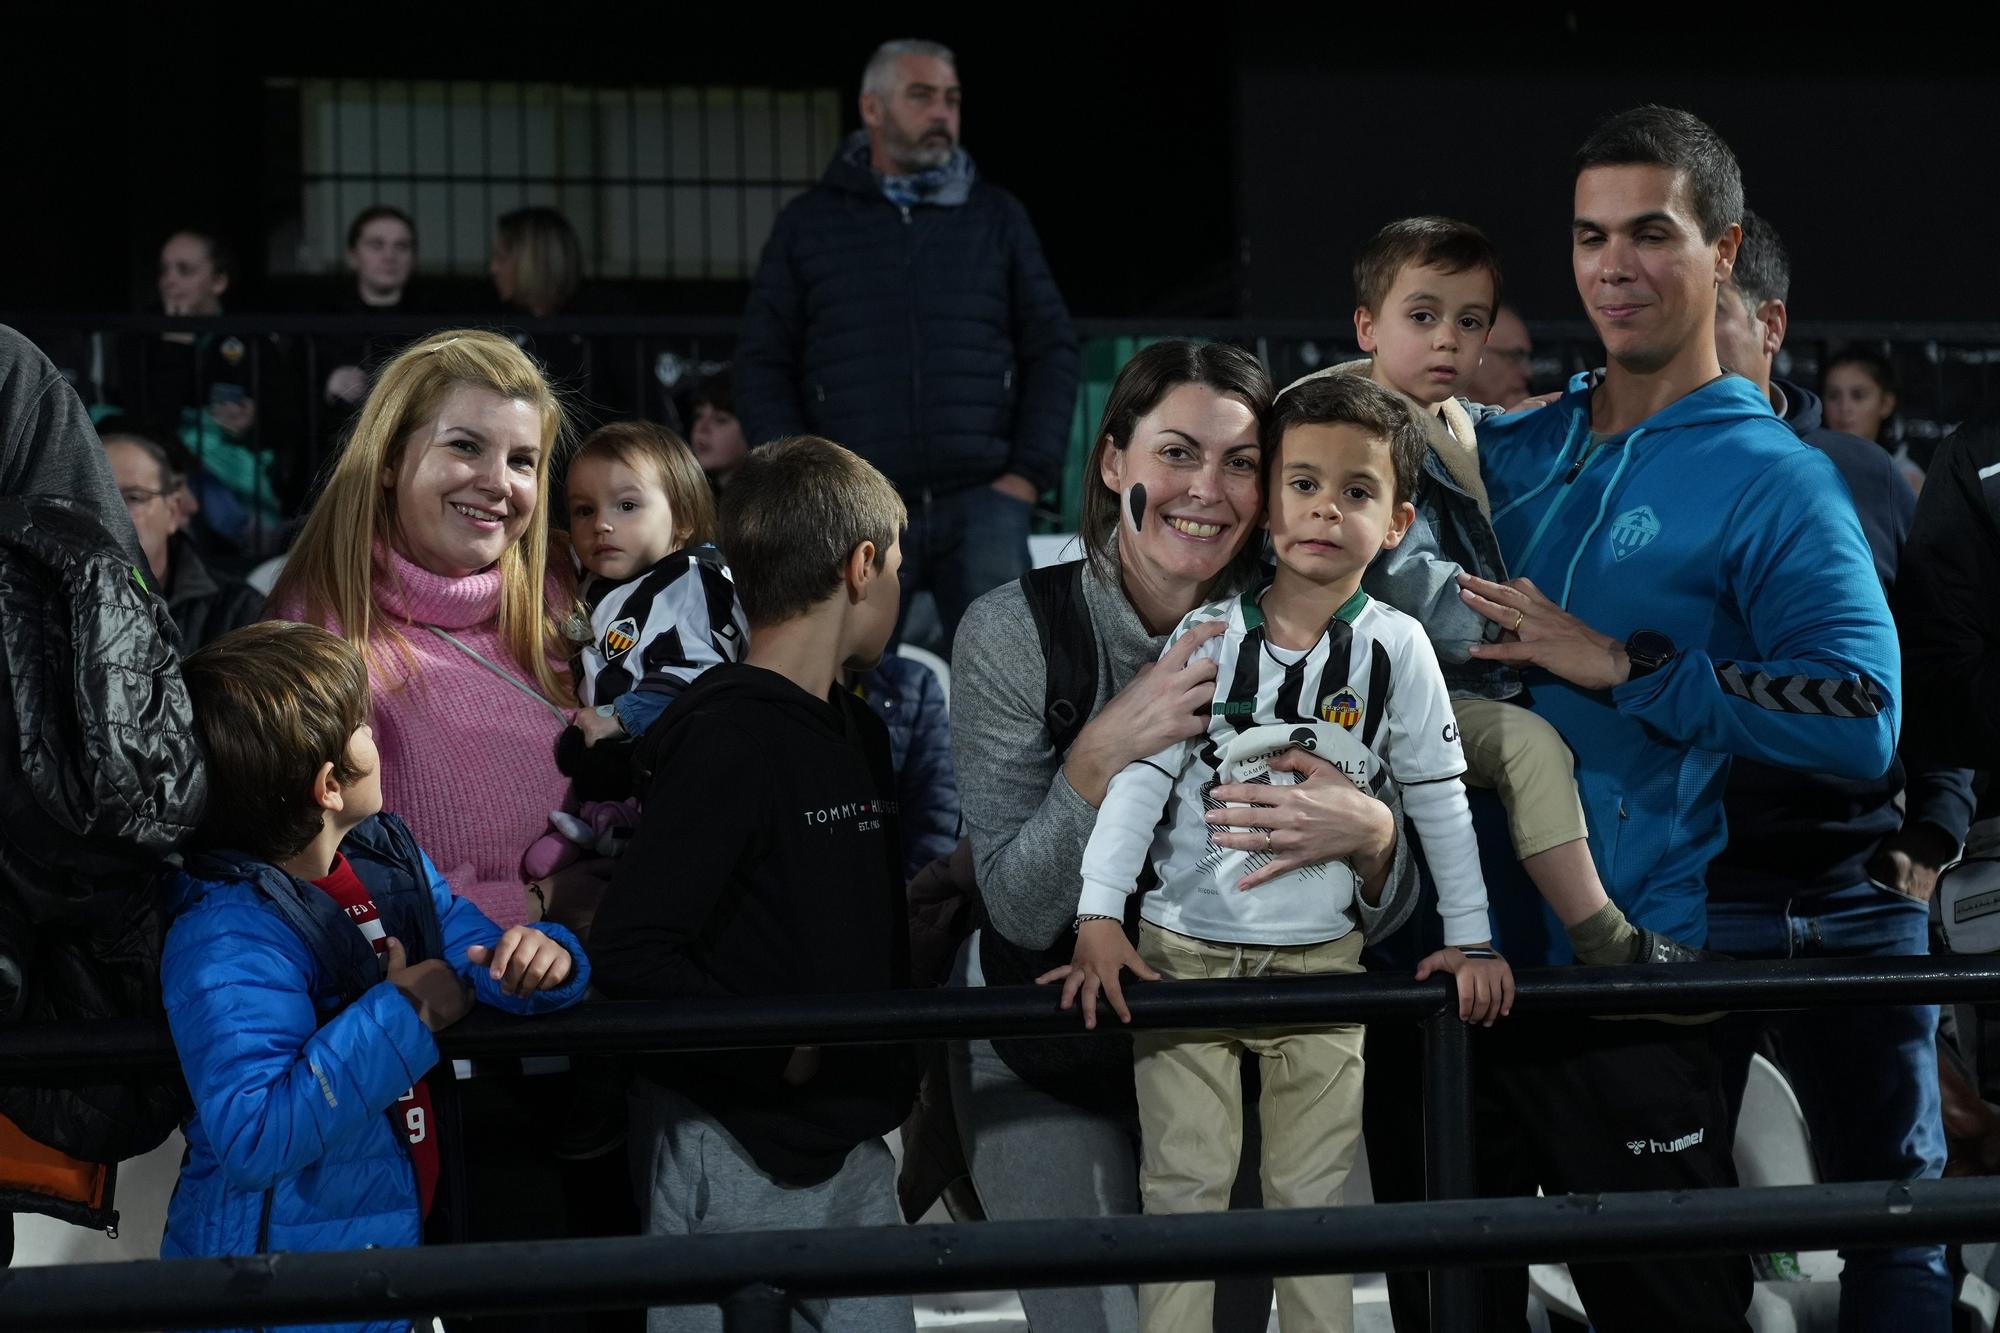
(468, 760)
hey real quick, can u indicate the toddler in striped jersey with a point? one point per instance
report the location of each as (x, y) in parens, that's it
(1308, 661)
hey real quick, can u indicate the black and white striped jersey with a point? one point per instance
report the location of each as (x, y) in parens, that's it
(1368, 697)
(658, 630)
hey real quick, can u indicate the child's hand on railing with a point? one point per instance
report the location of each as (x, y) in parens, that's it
(1485, 984)
(1102, 952)
(523, 961)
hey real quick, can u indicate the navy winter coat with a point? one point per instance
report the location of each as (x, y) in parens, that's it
(931, 340)
(296, 1050)
(911, 704)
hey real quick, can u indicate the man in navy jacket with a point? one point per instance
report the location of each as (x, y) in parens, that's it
(1823, 866)
(903, 308)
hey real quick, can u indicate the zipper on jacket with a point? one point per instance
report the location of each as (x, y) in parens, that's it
(1588, 452)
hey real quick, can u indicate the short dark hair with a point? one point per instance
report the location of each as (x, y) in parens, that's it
(1143, 382)
(1666, 136)
(1333, 398)
(376, 214)
(791, 518)
(1421, 242)
(1763, 269)
(1872, 363)
(715, 387)
(220, 257)
(636, 443)
(272, 703)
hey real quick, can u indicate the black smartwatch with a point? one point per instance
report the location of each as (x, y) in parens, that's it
(1648, 650)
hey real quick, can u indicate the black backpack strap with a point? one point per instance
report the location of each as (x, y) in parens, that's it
(1069, 646)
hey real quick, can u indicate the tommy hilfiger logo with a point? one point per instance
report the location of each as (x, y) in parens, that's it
(1634, 530)
(1640, 1147)
(869, 812)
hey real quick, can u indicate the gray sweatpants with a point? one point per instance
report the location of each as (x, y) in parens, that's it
(693, 1178)
(1034, 1155)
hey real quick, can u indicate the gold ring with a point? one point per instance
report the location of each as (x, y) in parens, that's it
(1519, 616)
(1267, 842)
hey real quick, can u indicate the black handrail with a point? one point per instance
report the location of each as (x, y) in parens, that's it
(755, 1274)
(771, 1268)
(65, 1051)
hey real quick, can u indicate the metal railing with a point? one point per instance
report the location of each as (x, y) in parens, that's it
(617, 366)
(755, 1276)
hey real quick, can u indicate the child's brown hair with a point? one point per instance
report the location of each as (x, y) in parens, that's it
(1339, 398)
(273, 702)
(642, 445)
(1445, 244)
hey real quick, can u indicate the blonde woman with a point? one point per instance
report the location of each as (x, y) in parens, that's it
(429, 551)
(537, 263)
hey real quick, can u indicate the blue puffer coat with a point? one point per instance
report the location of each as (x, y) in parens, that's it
(911, 704)
(931, 339)
(296, 1050)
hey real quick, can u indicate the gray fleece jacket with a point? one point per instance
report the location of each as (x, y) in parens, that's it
(1027, 824)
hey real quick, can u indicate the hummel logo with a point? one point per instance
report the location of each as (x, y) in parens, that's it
(1637, 1146)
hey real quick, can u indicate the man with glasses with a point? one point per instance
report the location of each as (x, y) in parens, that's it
(1507, 364)
(204, 603)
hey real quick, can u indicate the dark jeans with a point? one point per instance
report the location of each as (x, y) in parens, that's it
(961, 546)
(1572, 1106)
(1866, 1079)
(517, 1189)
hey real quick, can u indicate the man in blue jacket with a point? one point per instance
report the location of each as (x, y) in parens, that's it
(903, 309)
(1691, 583)
(1824, 866)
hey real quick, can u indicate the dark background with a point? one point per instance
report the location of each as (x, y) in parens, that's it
(1177, 161)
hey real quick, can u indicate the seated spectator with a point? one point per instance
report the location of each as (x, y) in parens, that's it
(205, 604)
(709, 409)
(314, 951)
(208, 387)
(382, 256)
(1506, 365)
(537, 263)
(537, 270)
(906, 695)
(746, 898)
(1859, 389)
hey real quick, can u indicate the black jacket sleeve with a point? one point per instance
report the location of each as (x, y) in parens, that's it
(770, 347)
(1946, 607)
(1045, 354)
(646, 940)
(47, 444)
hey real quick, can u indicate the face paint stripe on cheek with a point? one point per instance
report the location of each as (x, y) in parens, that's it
(1135, 506)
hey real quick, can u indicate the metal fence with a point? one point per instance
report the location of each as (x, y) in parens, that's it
(756, 1276)
(635, 366)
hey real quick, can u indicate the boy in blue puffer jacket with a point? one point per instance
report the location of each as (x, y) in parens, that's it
(313, 952)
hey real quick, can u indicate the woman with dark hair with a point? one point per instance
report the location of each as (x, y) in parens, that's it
(1859, 390)
(382, 257)
(1173, 520)
(713, 429)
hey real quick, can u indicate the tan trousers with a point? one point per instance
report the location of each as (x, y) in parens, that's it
(1516, 752)
(1191, 1121)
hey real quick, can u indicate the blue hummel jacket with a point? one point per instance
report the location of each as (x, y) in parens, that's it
(1712, 523)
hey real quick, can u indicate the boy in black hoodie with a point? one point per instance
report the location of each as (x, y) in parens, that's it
(790, 884)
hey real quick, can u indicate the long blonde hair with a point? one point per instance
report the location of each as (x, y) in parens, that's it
(329, 577)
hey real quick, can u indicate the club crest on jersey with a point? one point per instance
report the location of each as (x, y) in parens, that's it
(1633, 531)
(1342, 708)
(619, 638)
